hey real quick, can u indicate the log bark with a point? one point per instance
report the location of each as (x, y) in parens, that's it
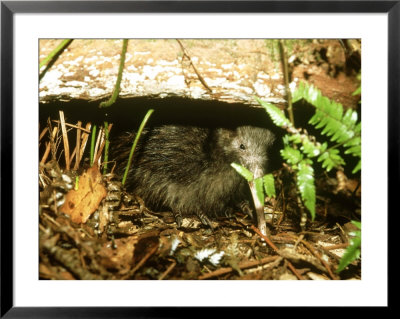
(228, 70)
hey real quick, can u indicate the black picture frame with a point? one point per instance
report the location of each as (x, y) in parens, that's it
(9, 8)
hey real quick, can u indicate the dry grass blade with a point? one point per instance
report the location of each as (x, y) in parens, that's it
(65, 140)
(99, 141)
(43, 133)
(48, 145)
(77, 126)
(85, 137)
(98, 154)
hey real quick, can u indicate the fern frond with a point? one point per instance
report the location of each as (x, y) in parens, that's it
(357, 168)
(243, 171)
(269, 185)
(291, 155)
(258, 185)
(353, 251)
(277, 116)
(329, 114)
(330, 159)
(306, 186)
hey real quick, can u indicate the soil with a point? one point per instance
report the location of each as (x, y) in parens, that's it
(115, 236)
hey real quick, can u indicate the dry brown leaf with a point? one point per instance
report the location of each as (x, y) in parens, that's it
(81, 203)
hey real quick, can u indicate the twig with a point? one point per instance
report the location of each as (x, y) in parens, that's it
(243, 265)
(193, 66)
(68, 260)
(141, 262)
(271, 244)
(74, 126)
(338, 246)
(51, 219)
(283, 208)
(286, 78)
(165, 273)
(316, 254)
(43, 133)
(47, 151)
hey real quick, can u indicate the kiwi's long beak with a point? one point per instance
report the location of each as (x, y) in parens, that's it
(259, 206)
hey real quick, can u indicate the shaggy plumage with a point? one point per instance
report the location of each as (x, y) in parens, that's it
(187, 168)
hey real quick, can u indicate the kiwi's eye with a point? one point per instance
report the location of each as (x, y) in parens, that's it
(242, 147)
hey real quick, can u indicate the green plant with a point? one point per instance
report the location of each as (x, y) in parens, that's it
(358, 90)
(107, 143)
(353, 251)
(92, 144)
(52, 57)
(115, 93)
(128, 165)
(300, 149)
(263, 185)
(293, 46)
(258, 187)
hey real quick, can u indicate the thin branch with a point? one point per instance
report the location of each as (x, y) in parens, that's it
(185, 54)
(243, 265)
(271, 244)
(285, 68)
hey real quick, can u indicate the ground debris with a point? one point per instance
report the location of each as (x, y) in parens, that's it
(136, 243)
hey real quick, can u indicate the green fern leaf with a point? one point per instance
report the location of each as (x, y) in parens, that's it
(305, 184)
(324, 147)
(291, 155)
(353, 251)
(357, 128)
(355, 141)
(357, 91)
(243, 171)
(298, 94)
(277, 116)
(295, 138)
(357, 167)
(269, 185)
(329, 115)
(350, 118)
(309, 148)
(331, 159)
(355, 150)
(258, 184)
